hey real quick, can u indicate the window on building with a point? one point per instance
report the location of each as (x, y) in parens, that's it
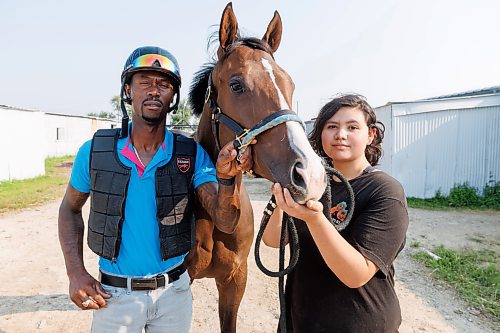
(60, 134)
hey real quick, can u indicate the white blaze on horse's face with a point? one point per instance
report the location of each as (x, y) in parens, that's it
(269, 69)
(309, 167)
(308, 171)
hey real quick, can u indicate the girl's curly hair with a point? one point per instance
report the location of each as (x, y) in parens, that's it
(373, 152)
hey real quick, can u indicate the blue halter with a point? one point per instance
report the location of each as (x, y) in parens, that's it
(244, 136)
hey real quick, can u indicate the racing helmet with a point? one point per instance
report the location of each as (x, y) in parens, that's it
(149, 58)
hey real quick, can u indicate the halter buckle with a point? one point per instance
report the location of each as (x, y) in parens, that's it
(241, 136)
(208, 93)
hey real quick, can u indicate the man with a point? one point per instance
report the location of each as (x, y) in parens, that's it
(143, 188)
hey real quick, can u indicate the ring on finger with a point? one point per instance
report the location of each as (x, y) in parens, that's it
(86, 303)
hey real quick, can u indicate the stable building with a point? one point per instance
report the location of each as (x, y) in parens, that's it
(28, 137)
(434, 144)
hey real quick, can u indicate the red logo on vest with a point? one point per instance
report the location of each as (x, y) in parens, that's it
(183, 164)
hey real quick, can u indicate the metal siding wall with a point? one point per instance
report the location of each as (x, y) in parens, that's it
(384, 115)
(470, 156)
(441, 151)
(409, 150)
(492, 164)
(437, 150)
(478, 155)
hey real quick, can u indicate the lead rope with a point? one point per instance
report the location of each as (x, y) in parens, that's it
(288, 224)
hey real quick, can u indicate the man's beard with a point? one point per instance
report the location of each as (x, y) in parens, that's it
(157, 118)
(152, 120)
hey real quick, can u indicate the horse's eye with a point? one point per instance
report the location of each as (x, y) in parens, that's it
(236, 86)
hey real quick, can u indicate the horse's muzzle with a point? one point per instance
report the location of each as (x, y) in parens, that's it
(307, 182)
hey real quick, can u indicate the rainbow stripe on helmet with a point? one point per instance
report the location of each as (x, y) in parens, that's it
(153, 61)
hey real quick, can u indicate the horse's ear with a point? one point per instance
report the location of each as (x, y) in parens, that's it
(273, 33)
(228, 29)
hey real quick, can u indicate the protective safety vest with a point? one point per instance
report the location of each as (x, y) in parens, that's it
(109, 179)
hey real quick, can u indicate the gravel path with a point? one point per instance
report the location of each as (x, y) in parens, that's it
(34, 283)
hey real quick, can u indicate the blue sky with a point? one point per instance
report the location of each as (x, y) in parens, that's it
(67, 57)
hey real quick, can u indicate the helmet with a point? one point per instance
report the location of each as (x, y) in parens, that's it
(151, 58)
(148, 58)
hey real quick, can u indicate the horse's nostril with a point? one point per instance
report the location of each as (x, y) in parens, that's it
(297, 178)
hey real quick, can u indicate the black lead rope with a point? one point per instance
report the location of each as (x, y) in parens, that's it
(288, 228)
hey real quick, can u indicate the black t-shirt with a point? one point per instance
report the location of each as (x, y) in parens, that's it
(316, 300)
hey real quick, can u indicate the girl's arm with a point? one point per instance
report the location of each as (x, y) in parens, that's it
(347, 263)
(272, 234)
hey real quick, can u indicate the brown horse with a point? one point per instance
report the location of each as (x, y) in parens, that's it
(246, 94)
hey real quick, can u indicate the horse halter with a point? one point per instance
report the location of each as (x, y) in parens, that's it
(244, 136)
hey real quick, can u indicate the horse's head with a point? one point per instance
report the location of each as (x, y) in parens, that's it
(249, 95)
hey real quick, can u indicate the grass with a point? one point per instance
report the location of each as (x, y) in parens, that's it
(19, 194)
(474, 274)
(431, 203)
(462, 196)
(415, 244)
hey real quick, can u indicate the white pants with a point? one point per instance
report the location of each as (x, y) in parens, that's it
(167, 309)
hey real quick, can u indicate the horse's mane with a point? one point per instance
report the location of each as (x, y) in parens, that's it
(199, 84)
(199, 87)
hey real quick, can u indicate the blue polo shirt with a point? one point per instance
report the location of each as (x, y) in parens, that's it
(140, 247)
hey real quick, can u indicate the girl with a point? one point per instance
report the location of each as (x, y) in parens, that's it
(344, 281)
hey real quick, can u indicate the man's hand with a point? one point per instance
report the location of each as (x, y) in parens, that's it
(227, 166)
(86, 292)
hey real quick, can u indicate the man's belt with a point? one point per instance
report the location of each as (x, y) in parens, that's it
(153, 283)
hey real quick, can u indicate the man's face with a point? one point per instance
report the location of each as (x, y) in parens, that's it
(151, 93)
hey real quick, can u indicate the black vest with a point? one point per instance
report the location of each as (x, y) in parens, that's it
(109, 179)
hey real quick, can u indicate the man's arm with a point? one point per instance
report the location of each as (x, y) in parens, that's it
(82, 286)
(222, 202)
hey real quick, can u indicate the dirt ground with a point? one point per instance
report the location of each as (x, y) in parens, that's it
(33, 292)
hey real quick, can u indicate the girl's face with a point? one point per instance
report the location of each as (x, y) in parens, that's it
(346, 135)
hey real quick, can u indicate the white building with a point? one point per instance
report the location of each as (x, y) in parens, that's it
(27, 137)
(436, 143)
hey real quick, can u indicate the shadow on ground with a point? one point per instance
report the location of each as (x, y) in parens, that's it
(19, 304)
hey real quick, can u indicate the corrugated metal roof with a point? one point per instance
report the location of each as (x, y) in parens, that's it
(78, 116)
(495, 90)
(7, 107)
(469, 93)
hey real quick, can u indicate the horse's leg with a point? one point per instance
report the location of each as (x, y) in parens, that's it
(230, 295)
(231, 280)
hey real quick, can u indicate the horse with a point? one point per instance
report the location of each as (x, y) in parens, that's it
(242, 95)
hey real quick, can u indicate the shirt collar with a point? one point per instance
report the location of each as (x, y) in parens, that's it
(163, 154)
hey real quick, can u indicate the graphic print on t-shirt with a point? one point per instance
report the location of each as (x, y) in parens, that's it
(339, 212)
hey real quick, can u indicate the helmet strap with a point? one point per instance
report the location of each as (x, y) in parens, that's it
(124, 113)
(173, 108)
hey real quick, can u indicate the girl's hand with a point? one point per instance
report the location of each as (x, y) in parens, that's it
(310, 212)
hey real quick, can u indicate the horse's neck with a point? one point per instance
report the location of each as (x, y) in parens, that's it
(204, 135)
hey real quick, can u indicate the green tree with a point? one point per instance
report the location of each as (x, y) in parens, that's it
(117, 109)
(102, 114)
(184, 116)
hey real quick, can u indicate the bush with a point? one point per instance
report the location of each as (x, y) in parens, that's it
(491, 195)
(463, 196)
